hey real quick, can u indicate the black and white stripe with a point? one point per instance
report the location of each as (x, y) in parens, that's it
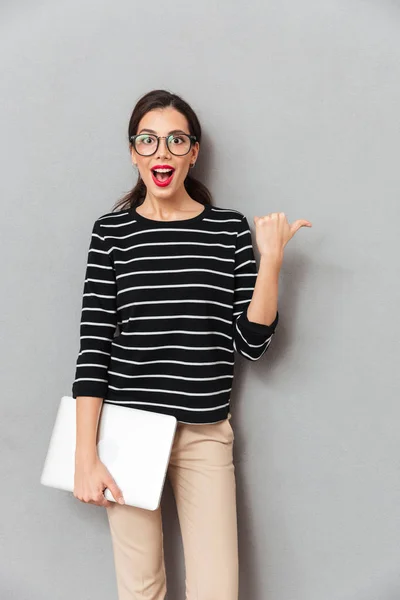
(164, 310)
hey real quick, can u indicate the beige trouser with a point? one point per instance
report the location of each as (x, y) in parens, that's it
(202, 476)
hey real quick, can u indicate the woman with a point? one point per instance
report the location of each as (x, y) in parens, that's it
(177, 276)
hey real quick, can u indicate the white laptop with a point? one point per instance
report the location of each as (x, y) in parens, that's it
(135, 445)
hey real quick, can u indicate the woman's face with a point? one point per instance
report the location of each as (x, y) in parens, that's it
(163, 122)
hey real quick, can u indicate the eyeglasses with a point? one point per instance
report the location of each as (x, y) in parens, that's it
(147, 144)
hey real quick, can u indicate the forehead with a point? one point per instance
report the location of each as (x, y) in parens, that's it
(164, 120)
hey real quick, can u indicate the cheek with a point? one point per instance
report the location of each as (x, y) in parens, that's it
(184, 171)
(144, 171)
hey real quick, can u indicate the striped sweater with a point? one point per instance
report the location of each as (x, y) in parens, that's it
(164, 311)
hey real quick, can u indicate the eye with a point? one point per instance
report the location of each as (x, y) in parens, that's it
(176, 139)
(145, 138)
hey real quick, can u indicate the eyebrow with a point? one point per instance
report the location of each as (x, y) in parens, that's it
(169, 133)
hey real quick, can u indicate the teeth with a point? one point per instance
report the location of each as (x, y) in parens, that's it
(162, 170)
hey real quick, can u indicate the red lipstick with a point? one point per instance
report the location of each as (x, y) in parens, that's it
(166, 180)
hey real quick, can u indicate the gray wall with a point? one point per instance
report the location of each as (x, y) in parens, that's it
(299, 102)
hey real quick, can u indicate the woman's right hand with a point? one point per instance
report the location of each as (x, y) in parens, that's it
(90, 480)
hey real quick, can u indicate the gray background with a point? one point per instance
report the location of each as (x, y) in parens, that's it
(299, 102)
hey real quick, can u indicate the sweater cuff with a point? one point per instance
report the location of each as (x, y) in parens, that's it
(257, 330)
(97, 389)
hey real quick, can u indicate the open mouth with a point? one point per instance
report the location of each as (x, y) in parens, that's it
(162, 177)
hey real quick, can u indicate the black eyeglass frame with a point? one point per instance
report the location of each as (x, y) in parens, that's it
(192, 139)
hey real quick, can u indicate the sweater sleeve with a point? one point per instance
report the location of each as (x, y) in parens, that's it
(250, 339)
(98, 320)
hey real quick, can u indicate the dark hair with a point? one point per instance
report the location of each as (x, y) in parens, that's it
(162, 99)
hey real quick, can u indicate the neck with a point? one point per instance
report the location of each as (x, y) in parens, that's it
(175, 202)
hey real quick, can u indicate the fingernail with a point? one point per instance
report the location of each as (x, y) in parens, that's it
(121, 500)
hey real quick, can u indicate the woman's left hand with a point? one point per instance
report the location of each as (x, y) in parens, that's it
(273, 233)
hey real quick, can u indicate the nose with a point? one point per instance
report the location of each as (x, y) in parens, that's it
(162, 147)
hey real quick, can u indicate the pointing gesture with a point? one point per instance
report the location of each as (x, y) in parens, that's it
(273, 233)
